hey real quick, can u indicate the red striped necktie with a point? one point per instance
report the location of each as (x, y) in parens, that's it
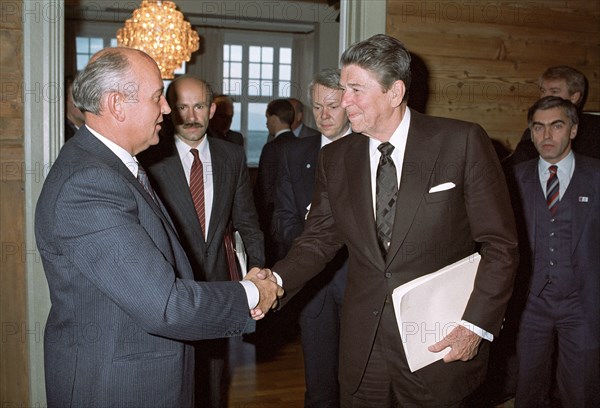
(552, 190)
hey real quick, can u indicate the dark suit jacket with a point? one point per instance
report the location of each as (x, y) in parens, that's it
(431, 230)
(307, 131)
(232, 200)
(231, 136)
(123, 296)
(293, 193)
(264, 188)
(585, 232)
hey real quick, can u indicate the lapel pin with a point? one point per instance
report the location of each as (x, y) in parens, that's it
(583, 199)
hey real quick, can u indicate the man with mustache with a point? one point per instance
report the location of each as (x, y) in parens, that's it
(227, 196)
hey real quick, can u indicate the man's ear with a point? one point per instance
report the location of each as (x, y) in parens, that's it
(397, 91)
(575, 97)
(573, 131)
(115, 105)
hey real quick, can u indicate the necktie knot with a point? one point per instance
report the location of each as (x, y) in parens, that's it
(553, 169)
(386, 149)
(195, 153)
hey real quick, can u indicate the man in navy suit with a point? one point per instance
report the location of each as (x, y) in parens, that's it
(299, 129)
(227, 196)
(220, 124)
(321, 300)
(558, 199)
(280, 115)
(124, 300)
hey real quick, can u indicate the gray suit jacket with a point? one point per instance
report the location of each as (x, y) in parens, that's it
(232, 200)
(431, 230)
(123, 296)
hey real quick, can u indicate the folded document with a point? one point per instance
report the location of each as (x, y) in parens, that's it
(430, 307)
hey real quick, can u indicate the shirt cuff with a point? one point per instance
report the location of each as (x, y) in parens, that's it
(477, 330)
(251, 293)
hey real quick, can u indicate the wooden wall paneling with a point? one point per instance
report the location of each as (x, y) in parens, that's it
(484, 58)
(14, 382)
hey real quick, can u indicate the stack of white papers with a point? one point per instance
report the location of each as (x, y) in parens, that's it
(430, 307)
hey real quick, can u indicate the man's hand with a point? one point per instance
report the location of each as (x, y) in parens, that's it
(463, 342)
(268, 290)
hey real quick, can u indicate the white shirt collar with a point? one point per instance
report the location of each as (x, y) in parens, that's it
(398, 140)
(128, 160)
(325, 140)
(183, 149)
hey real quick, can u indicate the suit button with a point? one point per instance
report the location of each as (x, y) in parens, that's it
(551, 263)
(375, 312)
(551, 249)
(388, 275)
(552, 234)
(552, 220)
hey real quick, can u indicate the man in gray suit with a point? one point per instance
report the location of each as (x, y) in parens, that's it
(124, 301)
(228, 197)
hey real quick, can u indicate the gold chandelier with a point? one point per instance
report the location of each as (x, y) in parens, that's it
(158, 29)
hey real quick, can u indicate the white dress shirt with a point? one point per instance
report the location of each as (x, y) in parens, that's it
(565, 169)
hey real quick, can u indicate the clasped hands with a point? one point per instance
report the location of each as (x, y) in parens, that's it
(268, 289)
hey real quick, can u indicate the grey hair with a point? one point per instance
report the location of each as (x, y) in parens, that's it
(329, 78)
(576, 81)
(384, 56)
(105, 73)
(549, 102)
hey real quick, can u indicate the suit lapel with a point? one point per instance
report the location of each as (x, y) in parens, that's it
(357, 165)
(579, 186)
(420, 158)
(220, 176)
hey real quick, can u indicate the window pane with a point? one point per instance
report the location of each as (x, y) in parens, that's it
(285, 55)
(234, 88)
(113, 42)
(285, 72)
(236, 53)
(284, 89)
(96, 44)
(254, 55)
(267, 71)
(226, 52)
(254, 71)
(257, 131)
(253, 88)
(225, 69)
(266, 88)
(236, 121)
(236, 70)
(82, 45)
(267, 54)
(82, 61)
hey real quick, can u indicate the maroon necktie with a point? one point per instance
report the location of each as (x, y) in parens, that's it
(552, 190)
(197, 189)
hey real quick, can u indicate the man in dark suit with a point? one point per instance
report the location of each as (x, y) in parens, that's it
(567, 83)
(74, 118)
(558, 199)
(445, 189)
(124, 301)
(280, 115)
(220, 124)
(321, 299)
(298, 127)
(227, 197)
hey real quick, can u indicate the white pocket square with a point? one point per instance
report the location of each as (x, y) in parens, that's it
(442, 187)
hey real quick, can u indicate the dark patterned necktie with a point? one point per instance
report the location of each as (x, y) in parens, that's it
(385, 196)
(145, 182)
(552, 190)
(197, 188)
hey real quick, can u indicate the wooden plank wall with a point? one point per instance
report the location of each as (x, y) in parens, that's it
(14, 381)
(483, 58)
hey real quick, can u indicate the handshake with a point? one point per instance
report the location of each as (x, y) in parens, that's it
(268, 289)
